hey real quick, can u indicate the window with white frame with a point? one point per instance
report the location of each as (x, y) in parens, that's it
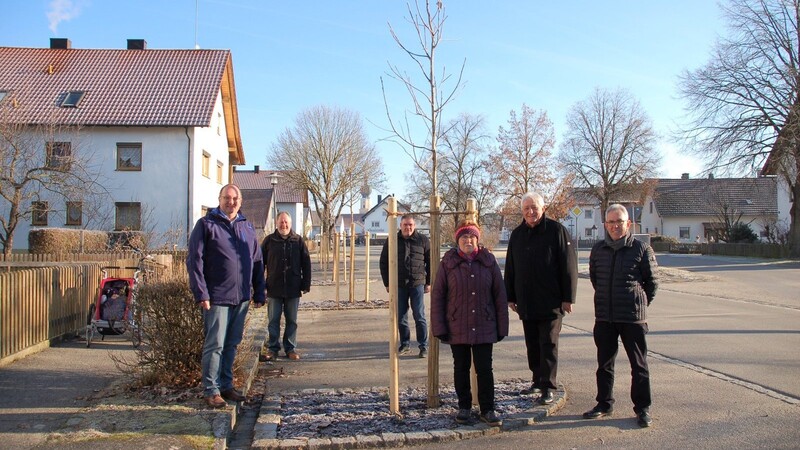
(588, 213)
(220, 166)
(587, 232)
(684, 232)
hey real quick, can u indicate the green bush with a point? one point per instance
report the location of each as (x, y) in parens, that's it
(665, 239)
(742, 233)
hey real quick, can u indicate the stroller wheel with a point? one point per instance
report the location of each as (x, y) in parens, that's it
(89, 327)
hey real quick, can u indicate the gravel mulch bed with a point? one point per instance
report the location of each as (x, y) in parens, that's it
(342, 412)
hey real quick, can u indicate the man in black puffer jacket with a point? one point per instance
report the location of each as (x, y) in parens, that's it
(413, 282)
(622, 270)
(541, 277)
(288, 266)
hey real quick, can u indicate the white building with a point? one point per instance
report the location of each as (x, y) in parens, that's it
(161, 125)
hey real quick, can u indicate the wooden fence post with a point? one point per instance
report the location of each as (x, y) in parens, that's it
(433, 397)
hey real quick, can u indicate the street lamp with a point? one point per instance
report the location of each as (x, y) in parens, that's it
(273, 180)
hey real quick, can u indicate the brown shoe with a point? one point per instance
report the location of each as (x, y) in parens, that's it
(215, 401)
(232, 395)
(293, 356)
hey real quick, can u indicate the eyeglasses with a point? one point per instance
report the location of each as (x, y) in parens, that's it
(615, 222)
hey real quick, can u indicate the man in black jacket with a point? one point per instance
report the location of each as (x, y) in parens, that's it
(622, 269)
(288, 267)
(541, 277)
(413, 282)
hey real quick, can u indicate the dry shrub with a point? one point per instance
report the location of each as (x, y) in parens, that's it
(172, 334)
(58, 240)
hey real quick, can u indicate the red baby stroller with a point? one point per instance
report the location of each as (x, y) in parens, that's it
(114, 310)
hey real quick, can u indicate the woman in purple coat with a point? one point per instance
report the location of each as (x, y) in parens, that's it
(470, 312)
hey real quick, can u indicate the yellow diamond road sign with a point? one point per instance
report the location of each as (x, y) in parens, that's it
(576, 211)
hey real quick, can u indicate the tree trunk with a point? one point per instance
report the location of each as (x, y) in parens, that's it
(794, 226)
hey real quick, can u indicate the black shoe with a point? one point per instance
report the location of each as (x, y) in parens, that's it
(233, 395)
(597, 412)
(463, 416)
(491, 418)
(547, 397)
(423, 353)
(643, 418)
(534, 389)
(403, 350)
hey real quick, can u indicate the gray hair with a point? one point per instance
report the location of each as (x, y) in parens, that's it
(623, 211)
(536, 197)
(283, 213)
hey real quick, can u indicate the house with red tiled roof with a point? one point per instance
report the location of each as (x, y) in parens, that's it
(161, 125)
(266, 193)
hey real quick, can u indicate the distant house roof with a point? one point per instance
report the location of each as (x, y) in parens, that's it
(702, 196)
(401, 207)
(260, 179)
(255, 205)
(132, 87)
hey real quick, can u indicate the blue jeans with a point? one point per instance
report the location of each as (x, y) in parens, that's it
(288, 307)
(416, 296)
(224, 327)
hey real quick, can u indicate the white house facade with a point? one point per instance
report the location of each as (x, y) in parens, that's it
(163, 137)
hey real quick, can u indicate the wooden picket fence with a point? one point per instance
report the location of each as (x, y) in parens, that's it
(44, 297)
(44, 303)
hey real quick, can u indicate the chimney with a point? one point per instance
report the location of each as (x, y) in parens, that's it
(711, 176)
(380, 197)
(60, 43)
(256, 169)
(684, 176)
(137, 44)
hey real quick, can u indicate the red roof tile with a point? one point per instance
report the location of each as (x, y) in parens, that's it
(122, 87)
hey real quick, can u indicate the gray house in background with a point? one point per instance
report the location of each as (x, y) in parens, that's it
(266, 193)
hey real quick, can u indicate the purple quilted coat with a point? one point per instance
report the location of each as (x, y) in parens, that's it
(468, 301)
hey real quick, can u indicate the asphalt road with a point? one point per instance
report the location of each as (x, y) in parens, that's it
(724, 357)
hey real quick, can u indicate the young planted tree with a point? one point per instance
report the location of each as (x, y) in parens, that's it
(744, 104)
(428, 97)
(609, 145)
(329, 155)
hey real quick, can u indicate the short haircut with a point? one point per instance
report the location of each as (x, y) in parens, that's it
(283, 213)
(623, 211)
(408, 216)
(231, 185)
(535, 196)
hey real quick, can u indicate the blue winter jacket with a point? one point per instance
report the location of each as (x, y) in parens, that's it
(224, 263)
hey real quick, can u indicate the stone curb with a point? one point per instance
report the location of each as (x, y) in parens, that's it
(266, 429)
(225, 421)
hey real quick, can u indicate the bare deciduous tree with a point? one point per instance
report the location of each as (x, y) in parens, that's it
(524, 162)
(329, 155)
(428, 98)
(609, 145)
(462, 168)
(743, 105)
(40, 163)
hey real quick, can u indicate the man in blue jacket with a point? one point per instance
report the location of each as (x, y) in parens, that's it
(622, 271)
(541, 277)
(226, 271)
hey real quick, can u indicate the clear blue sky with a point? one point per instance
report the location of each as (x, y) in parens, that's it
(289, 56)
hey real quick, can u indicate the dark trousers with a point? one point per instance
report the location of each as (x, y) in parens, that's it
(633, 339)
(541, 340)
(481, 354)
